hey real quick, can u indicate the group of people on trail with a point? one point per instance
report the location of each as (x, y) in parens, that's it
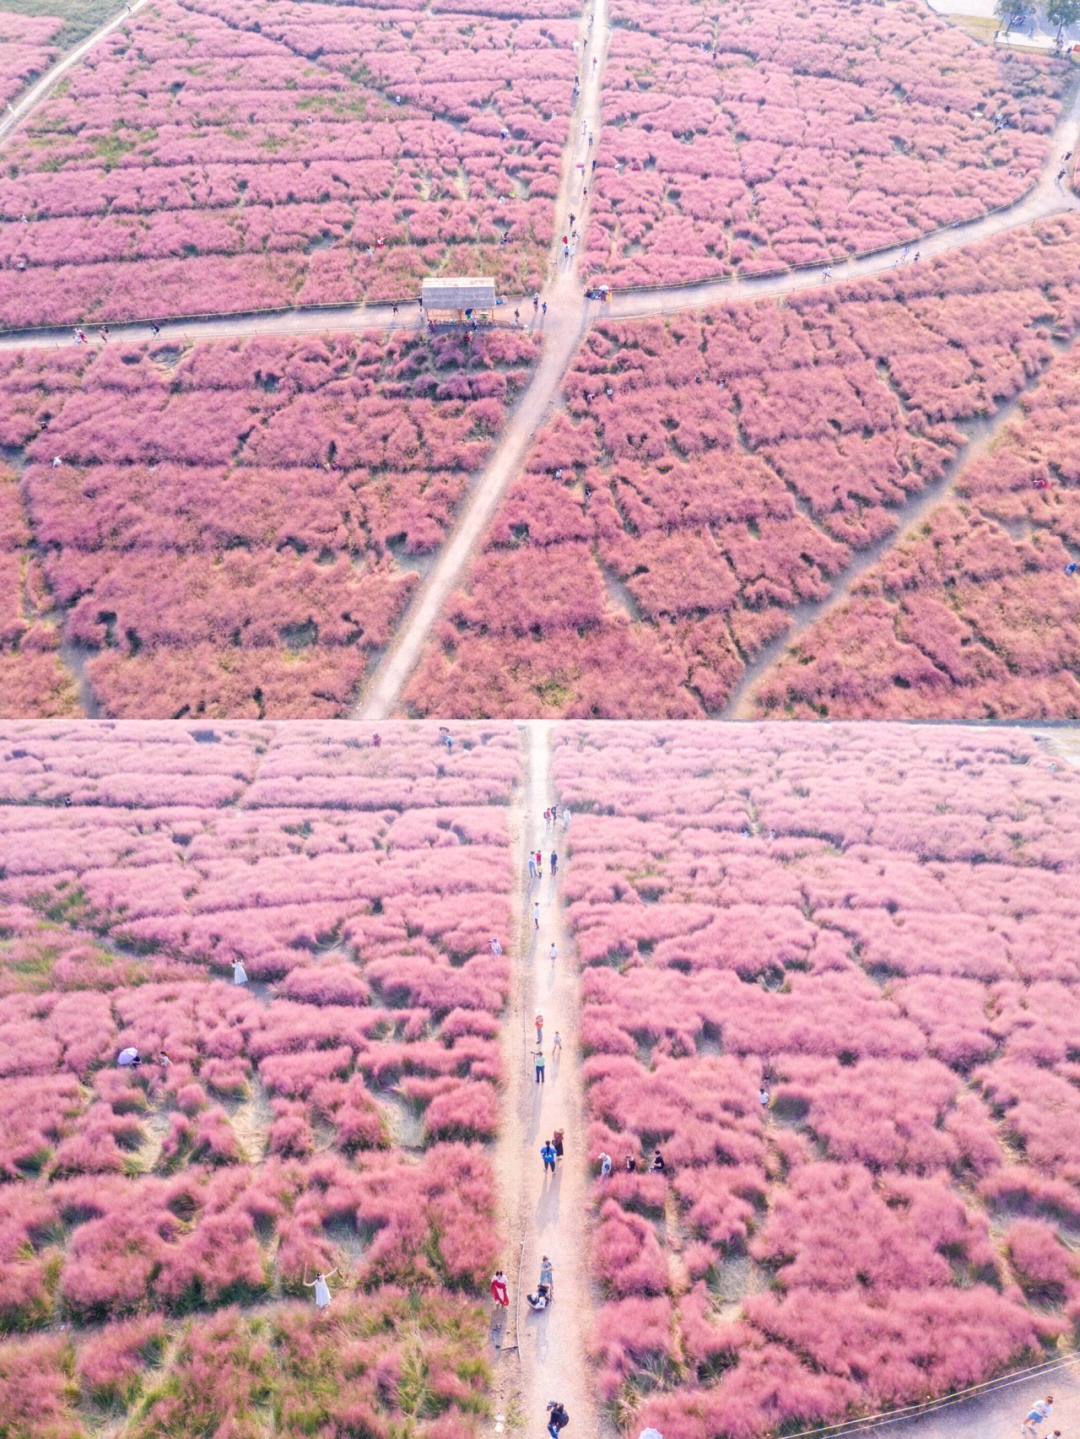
(551, 1151)
(536, 864)
(658, 1165)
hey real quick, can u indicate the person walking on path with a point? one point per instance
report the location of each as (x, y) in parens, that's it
(557, 1418)
(547, 1275)
(539, 865)
(605, 1165)
(536, 914)
(539, 1022)
(1036, 1415)
(553, 953)
(554, 864)
(548, 1155)
(321, 1288)
(538, 1061)
(500, 1290)
(556, 1045)
(557, 1143)
(532, 868)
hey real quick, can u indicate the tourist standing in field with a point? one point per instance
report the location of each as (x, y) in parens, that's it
(239, 973)
(539, 1022)
(321, 1288)
(548, 1155)
(554, 864)
(536, 914)
(553, 953)
(538, 1061)
(605, 1165)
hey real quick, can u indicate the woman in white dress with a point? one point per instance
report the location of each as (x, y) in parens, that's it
(239, 973)
(321, 1288)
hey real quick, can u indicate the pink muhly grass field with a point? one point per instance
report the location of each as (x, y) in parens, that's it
(234, 530)
(26, 41)
(758, 140)
(975, 614)
(715, 476)
(311, 156)
(881, 929)
(332, 1113)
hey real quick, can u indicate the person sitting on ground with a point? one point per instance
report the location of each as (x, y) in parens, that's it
(129, 1058)
(540, 1299)
(658, 1165)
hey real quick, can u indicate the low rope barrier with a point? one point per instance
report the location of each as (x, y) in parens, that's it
(930, 1406)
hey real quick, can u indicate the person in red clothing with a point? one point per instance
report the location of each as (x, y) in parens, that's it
(500, 1292)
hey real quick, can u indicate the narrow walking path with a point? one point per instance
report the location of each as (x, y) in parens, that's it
(552, 1212)
(40, 88)
(561, 330)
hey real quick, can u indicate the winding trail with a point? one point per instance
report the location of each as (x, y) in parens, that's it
(37, 92)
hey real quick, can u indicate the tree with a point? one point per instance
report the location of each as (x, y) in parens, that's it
(1062, 13)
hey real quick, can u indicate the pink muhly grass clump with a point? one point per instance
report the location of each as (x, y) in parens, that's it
(110, 1364)
(630, 1332)
(626, 1253)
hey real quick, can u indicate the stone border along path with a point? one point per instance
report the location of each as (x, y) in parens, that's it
(568, 317)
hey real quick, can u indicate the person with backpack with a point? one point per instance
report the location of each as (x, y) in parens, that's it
(548, 1155)
(557, 1418)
